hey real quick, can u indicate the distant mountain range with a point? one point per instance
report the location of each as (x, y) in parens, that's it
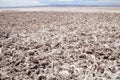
(54, 5)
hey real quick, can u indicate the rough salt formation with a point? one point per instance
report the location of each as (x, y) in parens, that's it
(59, 46)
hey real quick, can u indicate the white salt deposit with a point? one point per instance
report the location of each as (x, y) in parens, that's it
(64, 73)
(66, 9)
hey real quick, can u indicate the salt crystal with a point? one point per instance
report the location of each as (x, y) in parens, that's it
(0, 50)
(64, 73)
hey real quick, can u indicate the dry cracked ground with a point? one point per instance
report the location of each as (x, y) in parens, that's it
(59, 46)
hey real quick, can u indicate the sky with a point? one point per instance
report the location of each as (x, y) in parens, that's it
(25, 3)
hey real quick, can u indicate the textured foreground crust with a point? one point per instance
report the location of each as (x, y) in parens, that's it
(59, 46)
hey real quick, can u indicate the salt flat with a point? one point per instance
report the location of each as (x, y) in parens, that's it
(60, 43)
(68, 9)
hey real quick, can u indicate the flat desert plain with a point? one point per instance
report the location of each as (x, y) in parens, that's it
(60, 43)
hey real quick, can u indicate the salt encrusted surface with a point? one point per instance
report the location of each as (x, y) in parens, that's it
(59, 46)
